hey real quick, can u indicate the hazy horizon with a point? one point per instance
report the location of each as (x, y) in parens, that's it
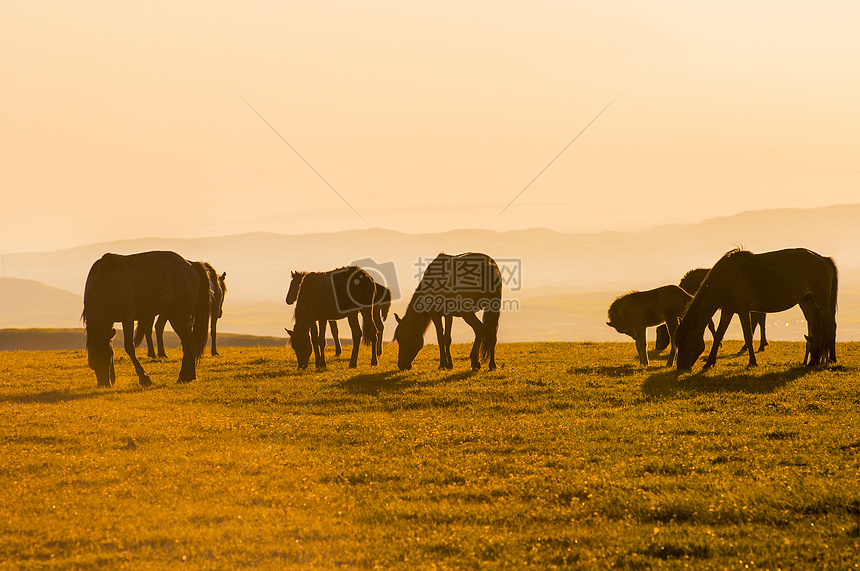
(127, 121)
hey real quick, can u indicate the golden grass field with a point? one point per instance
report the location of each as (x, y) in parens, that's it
(570, 455)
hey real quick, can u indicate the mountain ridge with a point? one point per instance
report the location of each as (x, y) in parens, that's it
(600, 265)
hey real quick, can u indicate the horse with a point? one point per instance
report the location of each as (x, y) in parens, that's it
(690, 283)
(137, 287)
(218, 286)
(741, 282)
(453, 286)
(381, 307)
(329, 296)
(632, 313)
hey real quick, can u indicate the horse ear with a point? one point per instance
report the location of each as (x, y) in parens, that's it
(609, 324)
(290, 333)
(224, 276)
(397, 317)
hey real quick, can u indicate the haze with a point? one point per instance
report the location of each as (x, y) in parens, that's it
(127, 120)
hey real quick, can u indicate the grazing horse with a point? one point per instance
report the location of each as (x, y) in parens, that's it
(329, 296)
(218, 287)
(690, 283)
(453, 286)
(381, 307)
(741, 282)
(632, 313)
(138, 287)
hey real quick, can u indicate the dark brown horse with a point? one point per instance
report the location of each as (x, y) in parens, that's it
(329, 296)
(218, 287)
(632, 313)
(381, 307)
(138, 287)
(741, 282)
(453, 286)
(690, 283)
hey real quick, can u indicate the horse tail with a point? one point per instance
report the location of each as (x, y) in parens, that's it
(491, 331)
(384, 302)
(834, 286)
(200, 316)
(834, 290)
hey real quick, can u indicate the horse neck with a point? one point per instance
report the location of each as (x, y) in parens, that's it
(703, 306)
(416, 320)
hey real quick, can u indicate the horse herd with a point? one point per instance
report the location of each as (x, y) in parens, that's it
(749, 285)
(190, 295)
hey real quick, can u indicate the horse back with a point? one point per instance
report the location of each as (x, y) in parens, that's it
(138, 286)
(471, 276)
(334, 294)
(772, 281)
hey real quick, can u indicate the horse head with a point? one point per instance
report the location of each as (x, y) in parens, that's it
(410, 340)
(300, 341)
(690, 345)
(100, 354)
(295, 284)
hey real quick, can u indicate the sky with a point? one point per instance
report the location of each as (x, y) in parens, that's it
(188, 119)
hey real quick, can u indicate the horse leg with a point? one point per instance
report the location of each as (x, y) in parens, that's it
(370, 334)
(671, 328)
(182, 328)
(663, 338)
(128, 340)
(440, 340)
(813, 339)
(335, 337)
(449, 321)
(478, 327)
(760, 318)
(725, 319)
(159, 335)
(145, 325)
(355, 326)
(753, 325)
(641, 346)
(213, 332)
(380, 327)
(318, 341)
(746, 326)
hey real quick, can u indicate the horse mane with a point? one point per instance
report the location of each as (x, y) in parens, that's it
(613, 307)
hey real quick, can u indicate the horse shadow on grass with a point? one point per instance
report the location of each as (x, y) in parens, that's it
(397, 381)
(672, 383)
(60, 396)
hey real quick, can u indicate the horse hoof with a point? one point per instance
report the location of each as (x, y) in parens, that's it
(145, 381)
(353, 365)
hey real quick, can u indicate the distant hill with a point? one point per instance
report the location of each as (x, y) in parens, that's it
(28, 303)
(566, 280)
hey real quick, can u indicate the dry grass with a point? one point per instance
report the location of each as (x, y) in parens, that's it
(570, 454)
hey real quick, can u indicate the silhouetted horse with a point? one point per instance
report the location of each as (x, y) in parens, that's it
(741, 282)
(218, 287)
(381, 307)
(328, 296)
(137, 287)
(632, 313)
(453, 286)
(690, 283)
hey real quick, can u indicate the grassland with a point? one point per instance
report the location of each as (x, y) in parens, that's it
(569, 455)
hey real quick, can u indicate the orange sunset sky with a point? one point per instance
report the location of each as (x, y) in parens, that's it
(123, 120)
